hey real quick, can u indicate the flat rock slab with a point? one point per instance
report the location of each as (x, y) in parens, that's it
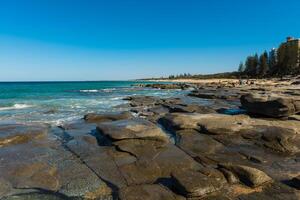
(101, 160)
(194, 184)
(141, 149)
(195, 143)
(276, 138)
(191, 108)
(155, 164)
(132, 129)
(209, 123)
(17, 133)
(44, 164)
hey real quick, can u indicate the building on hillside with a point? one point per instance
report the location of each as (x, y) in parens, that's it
(288, 55)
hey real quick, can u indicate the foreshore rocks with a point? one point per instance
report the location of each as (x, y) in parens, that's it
(162, 149)
(44, 164)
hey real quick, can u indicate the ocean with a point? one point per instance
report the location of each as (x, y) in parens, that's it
(60, 102)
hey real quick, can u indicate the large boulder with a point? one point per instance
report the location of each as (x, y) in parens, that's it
(270, 105)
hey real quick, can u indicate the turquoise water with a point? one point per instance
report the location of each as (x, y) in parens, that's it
(58, 102)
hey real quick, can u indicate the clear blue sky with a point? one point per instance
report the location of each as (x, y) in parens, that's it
(126, 39)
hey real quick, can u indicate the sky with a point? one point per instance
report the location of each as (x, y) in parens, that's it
(81, 40)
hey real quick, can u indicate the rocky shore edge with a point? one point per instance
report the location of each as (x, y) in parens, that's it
(244, 145)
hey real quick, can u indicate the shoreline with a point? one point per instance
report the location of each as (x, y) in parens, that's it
(271, 81)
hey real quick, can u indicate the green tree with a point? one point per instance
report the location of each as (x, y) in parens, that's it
(252, 65)
(263, 65)
(241, 67)
(273, 64)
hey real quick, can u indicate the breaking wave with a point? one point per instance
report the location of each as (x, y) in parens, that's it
(16, 107)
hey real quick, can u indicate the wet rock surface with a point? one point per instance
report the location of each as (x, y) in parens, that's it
(174, 148)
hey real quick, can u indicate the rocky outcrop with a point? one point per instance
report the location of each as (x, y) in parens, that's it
(173, 148)
(270, 105)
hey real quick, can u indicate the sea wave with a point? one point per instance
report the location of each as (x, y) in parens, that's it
(109, 89)
(89, 90)
(117, 98)
(16, 106)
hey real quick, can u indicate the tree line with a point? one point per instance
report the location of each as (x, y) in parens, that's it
(267, 65)
(257, 66)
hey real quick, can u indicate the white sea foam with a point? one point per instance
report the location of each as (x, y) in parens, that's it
(16, 106)
(117, 98)
(89, 90)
